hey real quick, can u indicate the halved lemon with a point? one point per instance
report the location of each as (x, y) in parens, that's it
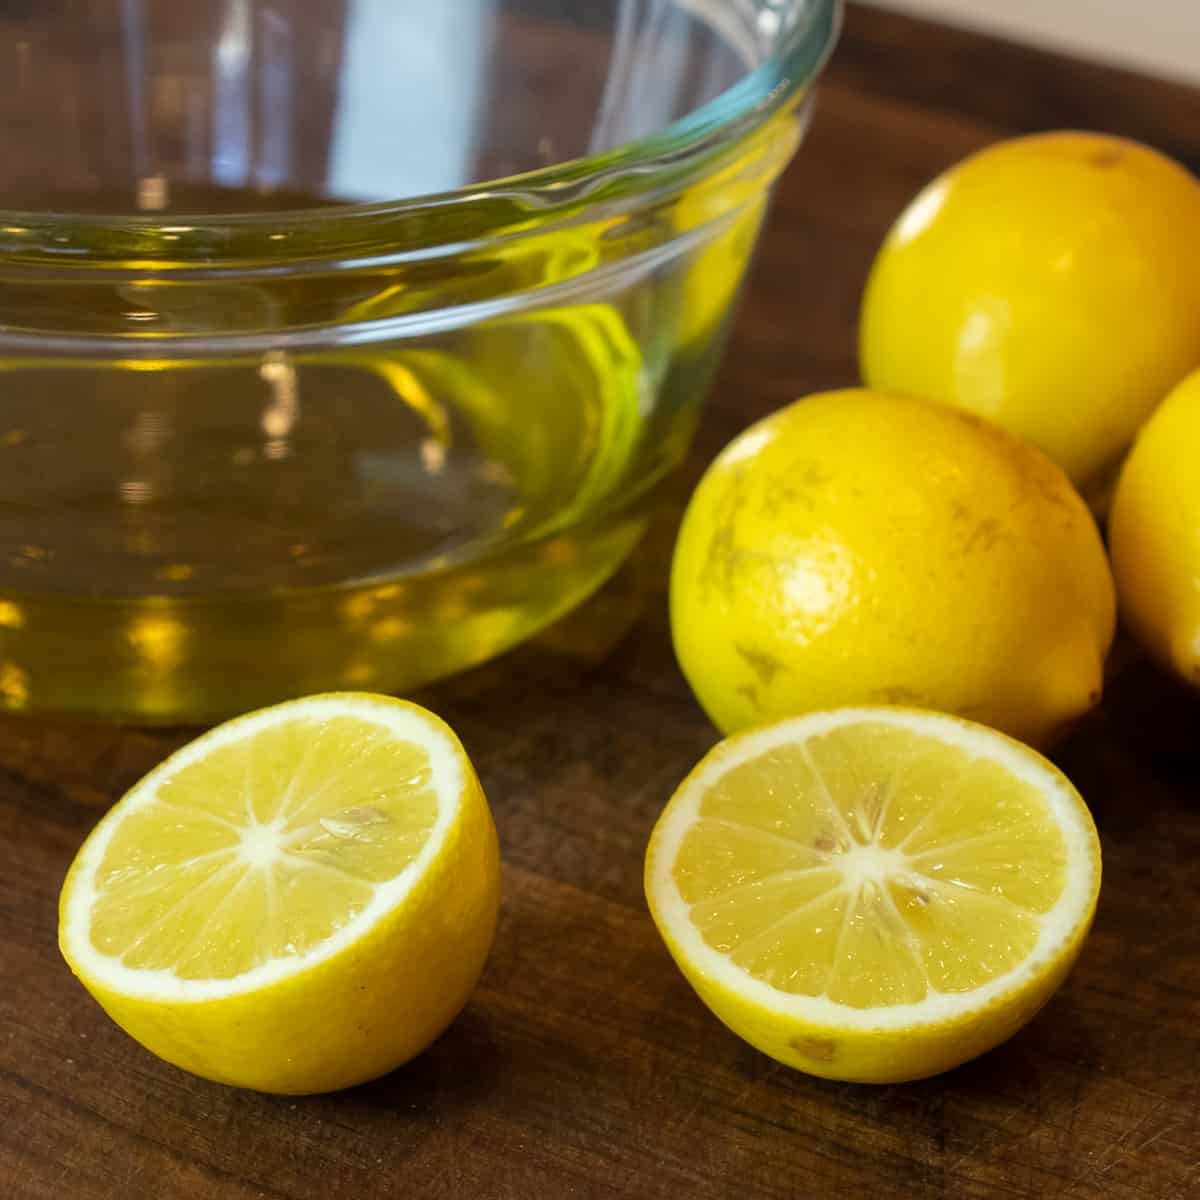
(874, 894)
(297, 901)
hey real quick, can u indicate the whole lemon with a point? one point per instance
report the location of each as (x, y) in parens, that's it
(859, 547)
(1154, 533)
(1050, 283)
(725, 211)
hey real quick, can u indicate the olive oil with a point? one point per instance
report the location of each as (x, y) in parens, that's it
(195, 536)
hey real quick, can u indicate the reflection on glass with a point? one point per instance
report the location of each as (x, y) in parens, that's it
(401, 131)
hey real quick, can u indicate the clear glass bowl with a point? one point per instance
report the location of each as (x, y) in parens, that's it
(343, 342)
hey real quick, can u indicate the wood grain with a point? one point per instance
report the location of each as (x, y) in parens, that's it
(584, 1066)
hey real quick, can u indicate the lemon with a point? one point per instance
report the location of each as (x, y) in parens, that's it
(715, 272)
(1154, 533)
(1050, 283)
(299, 900)
(725, 211)
(859, 548)
(874, 894)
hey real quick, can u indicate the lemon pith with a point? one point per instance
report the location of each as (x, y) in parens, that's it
(873, 894)
(298, 900)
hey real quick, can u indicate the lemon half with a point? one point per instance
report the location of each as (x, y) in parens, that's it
(874, 894)
(299, 900)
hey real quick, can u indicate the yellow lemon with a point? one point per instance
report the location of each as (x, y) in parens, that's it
(1154, 533)
(299, 900)
(724, 211)
(860, 548)
(874, 894)
(1050, 283)
(715, 272)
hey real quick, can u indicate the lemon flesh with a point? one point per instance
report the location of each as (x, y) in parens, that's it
(874, 894)
(299, 900)
(1050, 283)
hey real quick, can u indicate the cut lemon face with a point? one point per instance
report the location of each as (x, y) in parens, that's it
(299, 900)
(874, 894)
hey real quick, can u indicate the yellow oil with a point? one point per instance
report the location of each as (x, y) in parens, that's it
(184, 538)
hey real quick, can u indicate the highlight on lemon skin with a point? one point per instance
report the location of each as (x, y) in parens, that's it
(300, 900)
(874, 894)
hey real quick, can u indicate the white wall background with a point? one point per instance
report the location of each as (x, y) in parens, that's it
(1157, 36)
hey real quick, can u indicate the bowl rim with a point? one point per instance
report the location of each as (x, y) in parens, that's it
(681, 147)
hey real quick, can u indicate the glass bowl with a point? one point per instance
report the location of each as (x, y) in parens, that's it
(342, 343)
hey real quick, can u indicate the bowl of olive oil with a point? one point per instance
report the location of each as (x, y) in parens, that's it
(344, 345)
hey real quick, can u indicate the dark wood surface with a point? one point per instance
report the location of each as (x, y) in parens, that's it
(584, 1066)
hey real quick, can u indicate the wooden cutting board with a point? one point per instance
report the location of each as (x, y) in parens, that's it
(584, 1066)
